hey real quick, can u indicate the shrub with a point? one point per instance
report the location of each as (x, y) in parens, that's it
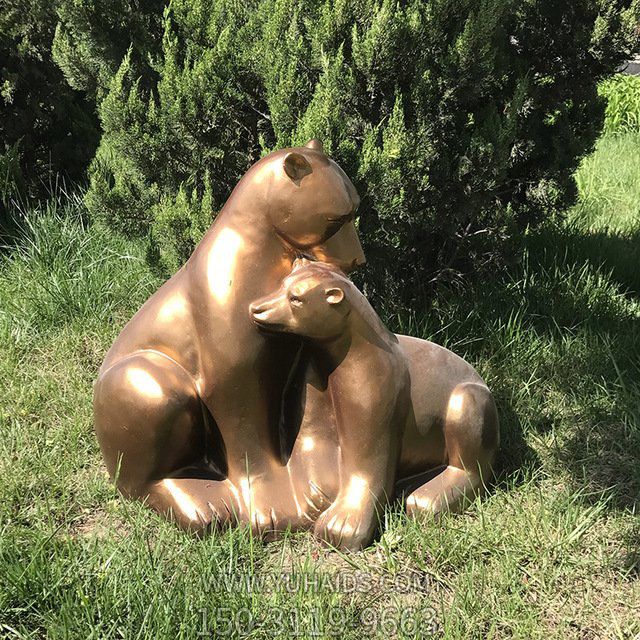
(46, 128)
(92, 38)
(622, 93)
(458, 120)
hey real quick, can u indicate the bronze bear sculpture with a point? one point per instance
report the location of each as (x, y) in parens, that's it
(393, 411)
(189, 401)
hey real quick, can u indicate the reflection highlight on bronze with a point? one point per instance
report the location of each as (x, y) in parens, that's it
(173, 309)
(221, 263)
(182, 501)
(144, 382)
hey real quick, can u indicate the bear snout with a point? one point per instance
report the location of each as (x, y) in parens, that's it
(260, 312)
(264, 314)
(256, 308)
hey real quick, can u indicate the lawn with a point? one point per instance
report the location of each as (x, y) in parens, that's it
(552, 552)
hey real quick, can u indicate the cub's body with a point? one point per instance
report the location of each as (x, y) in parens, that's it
(388, 412)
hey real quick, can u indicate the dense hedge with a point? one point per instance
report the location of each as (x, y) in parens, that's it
(93, 36)
(457, 119)
(47, 129)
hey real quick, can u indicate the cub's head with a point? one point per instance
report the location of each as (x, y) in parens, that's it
(311, 302)
(312, 204)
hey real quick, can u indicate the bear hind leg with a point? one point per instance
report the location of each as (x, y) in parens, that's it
(472, 435)
(154, 438)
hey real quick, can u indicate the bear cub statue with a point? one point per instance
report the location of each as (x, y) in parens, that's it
(352, 346)
(408, 413)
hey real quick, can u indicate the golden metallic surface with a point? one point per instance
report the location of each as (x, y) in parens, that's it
(259, 386)
(394, 408)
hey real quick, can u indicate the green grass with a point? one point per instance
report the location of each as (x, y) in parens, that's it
(609, 185)
(553, 552)
(622, 93)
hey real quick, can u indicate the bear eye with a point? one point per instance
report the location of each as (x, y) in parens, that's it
(335, 224)
(295, 300)
(342, 219)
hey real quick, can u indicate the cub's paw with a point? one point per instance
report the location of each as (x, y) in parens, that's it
(344, 527)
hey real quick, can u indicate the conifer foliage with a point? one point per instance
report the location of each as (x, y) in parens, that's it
(47, 130)
(458, 120)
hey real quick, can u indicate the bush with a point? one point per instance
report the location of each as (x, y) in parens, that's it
(92, 38)
(622, 93)
(458, 120)
(46, 128)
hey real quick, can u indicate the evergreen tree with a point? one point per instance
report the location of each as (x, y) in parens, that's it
(46, 128)
(93, 36)
(457, 119)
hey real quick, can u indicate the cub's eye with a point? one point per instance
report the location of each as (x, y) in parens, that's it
(295, 300)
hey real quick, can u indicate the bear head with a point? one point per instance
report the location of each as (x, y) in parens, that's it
(311, 302)
(311, 205)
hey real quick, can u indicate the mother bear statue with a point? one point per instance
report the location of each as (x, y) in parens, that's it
(191, 402)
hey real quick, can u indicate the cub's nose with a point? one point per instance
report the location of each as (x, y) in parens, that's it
(258, 307)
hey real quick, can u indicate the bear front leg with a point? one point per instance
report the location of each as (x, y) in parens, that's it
(368, 457)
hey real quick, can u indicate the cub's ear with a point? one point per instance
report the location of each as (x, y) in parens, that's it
(296, 166)
(335, 295)
(315, 144)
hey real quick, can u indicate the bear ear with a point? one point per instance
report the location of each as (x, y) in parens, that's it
(296, 166)
(314, 143)
(335, 295)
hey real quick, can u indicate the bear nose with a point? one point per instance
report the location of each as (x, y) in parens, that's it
(360, 260)
(257, 307)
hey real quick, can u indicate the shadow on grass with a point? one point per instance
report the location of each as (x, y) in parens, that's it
(558, 339)
(514, 453)
(631, 561)
(617, 254)
(601, 445)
